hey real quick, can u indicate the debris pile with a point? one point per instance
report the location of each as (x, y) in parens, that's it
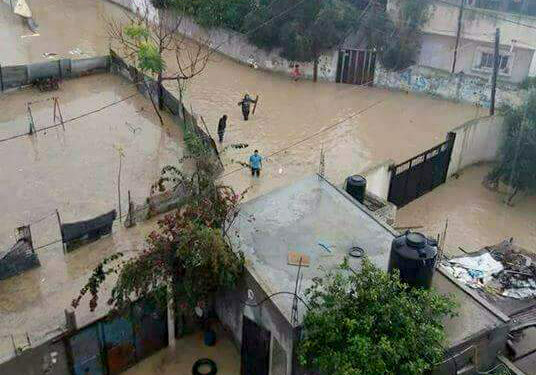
(501, 270)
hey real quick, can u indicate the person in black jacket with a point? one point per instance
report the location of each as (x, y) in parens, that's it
(246, 103)
(222, 124)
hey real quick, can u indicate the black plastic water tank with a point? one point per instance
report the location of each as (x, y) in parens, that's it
(415, 257)
(356, 186)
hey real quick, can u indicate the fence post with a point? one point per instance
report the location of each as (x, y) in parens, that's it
(70, 320)
(130, 220)
(1, 79)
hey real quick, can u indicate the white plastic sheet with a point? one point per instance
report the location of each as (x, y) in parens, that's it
(480, 268)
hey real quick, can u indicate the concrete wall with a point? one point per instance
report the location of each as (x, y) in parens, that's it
(457, 87)
(437, 51)
(378, 178)
(21, 75)
(231, 308)
(476, 141)
(147, 86)
(237, 47)
(49, 358)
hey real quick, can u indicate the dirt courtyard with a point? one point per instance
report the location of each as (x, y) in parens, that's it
(76, 171)
(188, 349)
(477, 217)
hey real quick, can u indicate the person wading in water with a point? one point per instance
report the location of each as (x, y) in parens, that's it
(222, 124)
(246, 104)
(255, 162)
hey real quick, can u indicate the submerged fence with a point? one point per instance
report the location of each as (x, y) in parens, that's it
(186, 119)
(21, 75)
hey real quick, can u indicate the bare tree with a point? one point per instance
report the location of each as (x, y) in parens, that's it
(150, 39)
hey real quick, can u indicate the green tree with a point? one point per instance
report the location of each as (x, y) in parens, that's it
(516, 164)
(147, 39)
(187, 259)
(369, 323)
(309, 29)
(397, 39)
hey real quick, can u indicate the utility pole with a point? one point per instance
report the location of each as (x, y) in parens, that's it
(458, 34)
(496, 59)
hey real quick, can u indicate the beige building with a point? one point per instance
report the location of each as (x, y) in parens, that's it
(516, 20)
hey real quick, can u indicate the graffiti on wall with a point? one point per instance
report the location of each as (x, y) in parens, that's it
(458, 87)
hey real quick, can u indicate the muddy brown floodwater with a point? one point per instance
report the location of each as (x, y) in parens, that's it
(387, 125)
(477, 217)
(76, 171)
(397, 126)
(67, 28)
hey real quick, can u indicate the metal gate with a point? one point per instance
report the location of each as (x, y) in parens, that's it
(420, 174)
(111, 345)
(255, 349)
(356, 66)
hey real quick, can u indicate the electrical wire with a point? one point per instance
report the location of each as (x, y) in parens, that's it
(488, 12)
(71, 119)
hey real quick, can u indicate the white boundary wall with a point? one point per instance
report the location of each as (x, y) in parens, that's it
(476, 141)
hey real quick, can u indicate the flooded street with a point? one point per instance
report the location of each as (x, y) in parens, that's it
(33, 303)
(295, 120)
(392, 125)
(67, 29)
(477, 217)
(76, 171)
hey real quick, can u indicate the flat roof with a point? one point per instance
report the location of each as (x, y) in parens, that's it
(299, 216)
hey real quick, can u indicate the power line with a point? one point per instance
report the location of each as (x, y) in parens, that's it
(332, 126)
(483, 11)
(71, 119)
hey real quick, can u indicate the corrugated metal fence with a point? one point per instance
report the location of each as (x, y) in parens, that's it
(22, 75)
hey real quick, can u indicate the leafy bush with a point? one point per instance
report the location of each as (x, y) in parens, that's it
(528, 83)
(369, 323)
(516, 165)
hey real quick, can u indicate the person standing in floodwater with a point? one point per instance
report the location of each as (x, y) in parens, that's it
(255, 162)
(222, 124)
(296, 74)
(246, 104)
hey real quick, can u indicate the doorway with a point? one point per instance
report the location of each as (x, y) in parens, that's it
(255, 351)
(356, 66)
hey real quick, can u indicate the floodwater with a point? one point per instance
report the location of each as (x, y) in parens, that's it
(477, 217)
(386, 125)
(33, 303)
(188, 349)
(67, 29)
(295, 120)
(75, 171)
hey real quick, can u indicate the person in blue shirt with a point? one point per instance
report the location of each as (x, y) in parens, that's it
(255, 162)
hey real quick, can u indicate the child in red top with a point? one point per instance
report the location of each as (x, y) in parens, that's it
(296, 74)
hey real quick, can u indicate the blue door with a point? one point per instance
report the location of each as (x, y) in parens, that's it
(86, 352)
(118, 336)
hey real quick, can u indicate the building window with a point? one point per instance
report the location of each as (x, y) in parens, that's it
(484, 61)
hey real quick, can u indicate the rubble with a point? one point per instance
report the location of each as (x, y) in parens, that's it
(502, 270)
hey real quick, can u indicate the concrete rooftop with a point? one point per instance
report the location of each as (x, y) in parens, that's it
(297, 217)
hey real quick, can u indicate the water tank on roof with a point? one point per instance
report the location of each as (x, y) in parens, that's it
(415, 257)
(356, 186)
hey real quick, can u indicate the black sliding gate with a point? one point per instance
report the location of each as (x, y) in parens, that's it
(420, 174)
